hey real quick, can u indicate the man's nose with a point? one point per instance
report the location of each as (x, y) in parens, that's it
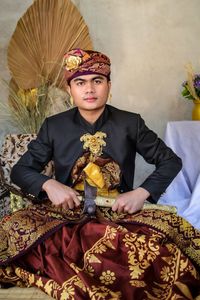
(89, 87)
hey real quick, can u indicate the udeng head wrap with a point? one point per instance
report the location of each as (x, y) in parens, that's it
(79, 62)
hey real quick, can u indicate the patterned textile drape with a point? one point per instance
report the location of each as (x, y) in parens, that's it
(152, 254)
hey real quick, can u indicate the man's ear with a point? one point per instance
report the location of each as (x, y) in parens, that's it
(69, 90)
(109, 85)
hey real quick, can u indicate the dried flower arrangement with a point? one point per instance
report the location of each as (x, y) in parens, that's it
(27, 109)
(47, 30)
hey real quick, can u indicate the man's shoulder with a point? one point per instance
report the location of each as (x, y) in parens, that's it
(119, 113)
(68, 114)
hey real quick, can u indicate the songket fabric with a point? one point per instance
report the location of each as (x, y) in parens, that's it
(152, 254)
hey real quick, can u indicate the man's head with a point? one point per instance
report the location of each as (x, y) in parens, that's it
(88, 77)
(79, 62)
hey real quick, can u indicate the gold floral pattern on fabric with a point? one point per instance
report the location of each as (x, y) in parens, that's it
(128, 249)
(103, 293)
(94, 143)
(30, 279)
(99, 247)
(176, 265)
(110, 215)
(7, 274)
(16, 202)
(50, 287)
(142, 252)
(23, 228)
(107, 277)
(19, 231)
(183, 234)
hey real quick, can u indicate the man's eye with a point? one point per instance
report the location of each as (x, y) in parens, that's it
(79, 83)
(97, 81)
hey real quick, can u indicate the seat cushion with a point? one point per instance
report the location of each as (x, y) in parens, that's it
(14, 146)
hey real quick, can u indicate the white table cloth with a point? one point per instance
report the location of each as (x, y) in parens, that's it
(184, 192)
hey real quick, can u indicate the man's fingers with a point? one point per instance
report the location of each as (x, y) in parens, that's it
(65, 206)
(76, 200)
(121, 206)
(115, 206)
(74, 197)
(127, 210)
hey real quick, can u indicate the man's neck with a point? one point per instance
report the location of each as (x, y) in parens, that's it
(91, 115)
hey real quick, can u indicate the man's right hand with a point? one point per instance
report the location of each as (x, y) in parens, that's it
(60, 194)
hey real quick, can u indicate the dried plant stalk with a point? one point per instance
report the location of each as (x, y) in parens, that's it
(47, 30)
(28, 108)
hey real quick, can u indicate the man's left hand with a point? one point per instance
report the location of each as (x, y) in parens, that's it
(131, 202)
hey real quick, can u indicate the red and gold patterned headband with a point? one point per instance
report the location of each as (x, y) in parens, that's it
(79, 62)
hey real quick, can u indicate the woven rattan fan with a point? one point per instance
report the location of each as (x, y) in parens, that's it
(47, 30)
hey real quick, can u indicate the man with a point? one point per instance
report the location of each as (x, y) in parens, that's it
(88, 77)
(71, 255)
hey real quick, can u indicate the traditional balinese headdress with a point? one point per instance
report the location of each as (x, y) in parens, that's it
(79, 62)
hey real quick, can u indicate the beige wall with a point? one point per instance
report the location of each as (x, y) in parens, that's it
(149, 42)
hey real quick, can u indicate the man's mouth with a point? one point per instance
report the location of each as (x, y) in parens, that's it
(90, 99)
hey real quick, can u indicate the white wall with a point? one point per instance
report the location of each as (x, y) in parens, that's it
(148, 41)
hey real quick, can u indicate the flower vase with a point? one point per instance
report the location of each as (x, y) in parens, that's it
(196, 110)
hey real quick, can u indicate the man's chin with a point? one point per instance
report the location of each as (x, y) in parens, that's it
(92, 107)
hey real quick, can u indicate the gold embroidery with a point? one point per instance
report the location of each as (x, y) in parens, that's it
(100, 246)
(137, 283)
(107, 277)
(175, 266)
(16, 202)
(80, 284)
(21, 229)
(8, 274)
(68, 288)
(72, 62)
(94, 259)
(140, 260)
(94, 143)
(171, 268)
(90, 270)
(184, 289)
(39, 282)
(68, 293)
(179, 230)
(75, 268)
(52, 288)
(102, 292)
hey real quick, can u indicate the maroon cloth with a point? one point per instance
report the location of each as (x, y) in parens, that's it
(53, 259)
(152, 254)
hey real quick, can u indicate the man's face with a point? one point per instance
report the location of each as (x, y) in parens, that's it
(89, 92)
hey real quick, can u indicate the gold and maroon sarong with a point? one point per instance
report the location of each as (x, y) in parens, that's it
(152, 254)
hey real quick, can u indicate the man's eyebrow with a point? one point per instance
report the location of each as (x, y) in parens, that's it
(98, 77)
(94, 78)
(79, 79)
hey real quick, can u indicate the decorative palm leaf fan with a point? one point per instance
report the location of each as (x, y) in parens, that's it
(47, 30)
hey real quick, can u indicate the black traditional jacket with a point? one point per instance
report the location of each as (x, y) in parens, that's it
(127, 134)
